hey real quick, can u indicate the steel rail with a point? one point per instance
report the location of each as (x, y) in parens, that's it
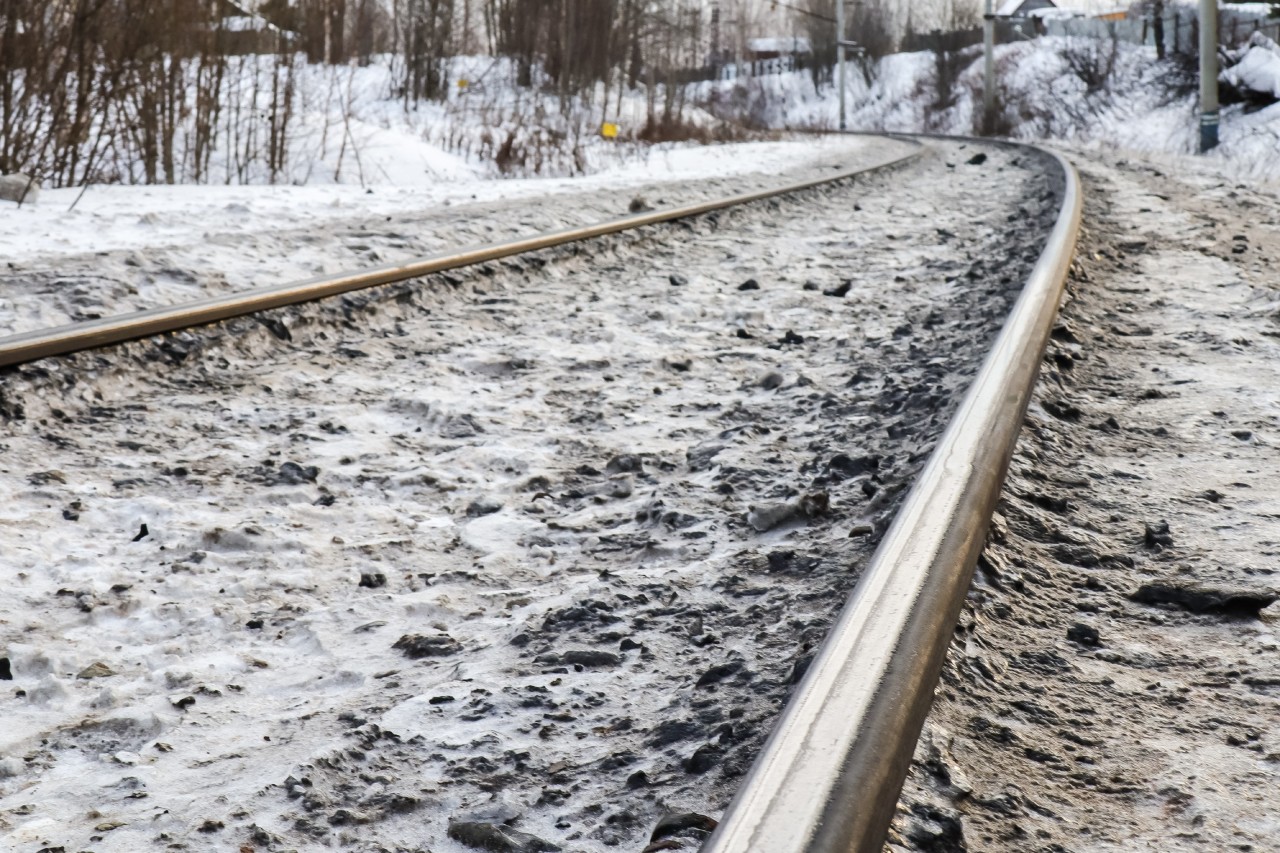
(61, 340)
(829, 777)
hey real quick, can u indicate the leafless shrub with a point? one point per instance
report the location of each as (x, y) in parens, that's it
(1092, 60)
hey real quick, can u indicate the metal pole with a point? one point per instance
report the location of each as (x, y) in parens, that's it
(840, 57)
(1208, 75)
(989, 67)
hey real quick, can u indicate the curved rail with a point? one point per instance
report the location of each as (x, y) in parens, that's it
(830, 774)
(42, 343)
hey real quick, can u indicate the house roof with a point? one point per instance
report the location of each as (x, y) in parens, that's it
(779, 44)
(1011, 7)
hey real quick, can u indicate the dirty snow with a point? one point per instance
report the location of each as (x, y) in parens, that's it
(1113, 685)
(538, 547)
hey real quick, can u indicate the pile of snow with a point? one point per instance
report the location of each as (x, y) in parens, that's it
(1090, 92)
(1256, 68)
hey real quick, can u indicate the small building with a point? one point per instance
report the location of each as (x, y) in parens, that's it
(771, 55)
(1022, 19)
(242, 31)
(1023, 8)
(779, 47)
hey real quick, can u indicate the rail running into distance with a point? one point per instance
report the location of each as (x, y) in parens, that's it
(62, 340)
(831, 772)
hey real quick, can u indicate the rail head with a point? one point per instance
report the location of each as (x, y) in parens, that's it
(829, 776)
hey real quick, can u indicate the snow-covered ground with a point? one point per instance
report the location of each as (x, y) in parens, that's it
(532, 549)
(132, 247)
(1137, 107)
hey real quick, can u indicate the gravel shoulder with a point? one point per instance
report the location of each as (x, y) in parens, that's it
(1114, 684)
(527, 555)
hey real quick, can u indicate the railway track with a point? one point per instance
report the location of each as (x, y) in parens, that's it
(666, 428)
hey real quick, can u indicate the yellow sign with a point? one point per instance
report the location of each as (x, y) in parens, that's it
(609, 130)
(463, 83)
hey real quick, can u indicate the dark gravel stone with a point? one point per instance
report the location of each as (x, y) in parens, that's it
(673, 731)
(293, 474)
(1156, 536)
(497, 838)
(590, 657)
(373, 580)
(483, 506)
(1203, 599)
(800, 667)
(719, 673)
(791, 339)
(699, 459)
(1085, 635)
(976, 160)
(770, 380)
(624, 463)
(639, 779)
(1062, 410)
(846, 466)
(839, 291)
(6, 671)
(703, 759)
(417, 646)
(677, 280)
(749, 284)
(460, 426)
(936, 830)
(681, 824)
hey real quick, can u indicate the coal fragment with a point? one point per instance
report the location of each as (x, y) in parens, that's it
(418, 646)
(976, 160)
(6, 671)
(498, 838)
(1205, 599)
(142, 533)
(749, 284)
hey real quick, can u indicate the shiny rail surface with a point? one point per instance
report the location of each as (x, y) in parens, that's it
(43, 343)
(829, 777)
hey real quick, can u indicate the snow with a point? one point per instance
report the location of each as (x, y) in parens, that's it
(1257, 67)
(796, 44)
(245, 656)
(1138, 107)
